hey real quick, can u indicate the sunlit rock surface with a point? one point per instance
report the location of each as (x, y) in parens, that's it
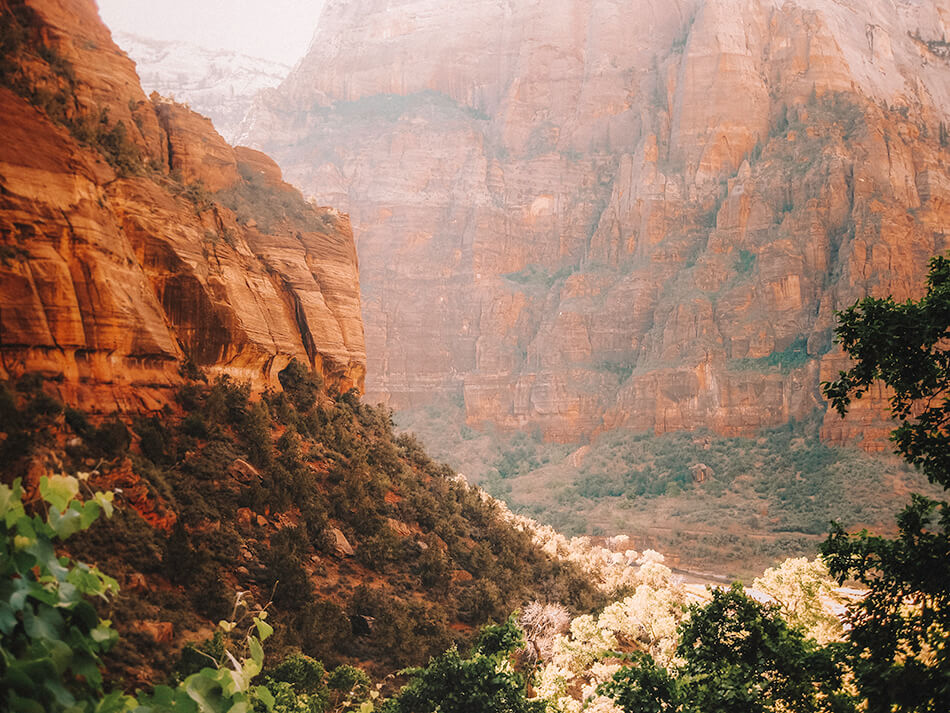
(586, 214)
(110, 280)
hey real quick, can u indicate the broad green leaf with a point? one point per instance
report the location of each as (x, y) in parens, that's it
(243, 676)
(115, 702)
(25, 705)
(68, 595)
(8, 620)
(265, 696)
(257, 651)
(61, 655)
(204, 690)
(86, 614)
(22, 588)
(58, 490)
(264, 630)
(59, 691)
(47, 623)
(90, 513)
(10, 498)
(165, 699)
(87, 666)
(66, 524)
(104, 634)
(104, 500)
(24, 525)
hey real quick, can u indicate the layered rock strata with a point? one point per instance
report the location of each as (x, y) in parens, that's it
(134, 239)
(585, 214)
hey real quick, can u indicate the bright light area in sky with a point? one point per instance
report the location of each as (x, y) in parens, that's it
(279, 30)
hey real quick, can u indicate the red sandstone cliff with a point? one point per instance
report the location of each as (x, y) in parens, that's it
(584, 214)
(132, 237)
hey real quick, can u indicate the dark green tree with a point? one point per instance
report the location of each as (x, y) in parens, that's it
(738, 656)
(904, 345)
(485, 682)
(743, 657)
(899, 631)
(642, 687)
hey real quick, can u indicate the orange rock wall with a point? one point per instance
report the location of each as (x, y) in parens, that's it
(110, 279)
(585, 214)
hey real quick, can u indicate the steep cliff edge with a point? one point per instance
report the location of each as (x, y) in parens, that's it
(133, 238)
(581, 214)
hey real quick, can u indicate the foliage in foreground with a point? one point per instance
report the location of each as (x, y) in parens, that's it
(898, 643)
(53, 638)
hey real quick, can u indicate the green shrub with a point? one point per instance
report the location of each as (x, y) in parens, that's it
(306, 676)
(110, 439)
(301, 385)
(485, 682)
(286, 576)
(155, 440)
(348, 683)
(745, 261)
(324, 629)
(194, 425)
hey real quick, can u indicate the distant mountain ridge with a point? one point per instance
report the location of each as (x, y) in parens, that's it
(216, 83)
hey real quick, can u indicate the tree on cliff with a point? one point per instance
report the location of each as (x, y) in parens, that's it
(899, 637)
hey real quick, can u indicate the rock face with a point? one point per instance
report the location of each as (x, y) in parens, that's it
(132, 237)
(220, 85)
(587, 214)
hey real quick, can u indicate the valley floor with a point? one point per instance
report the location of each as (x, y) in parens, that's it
(760, 500)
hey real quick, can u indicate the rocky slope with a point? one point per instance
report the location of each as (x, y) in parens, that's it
(583, 214)
(218, 84)
(133, 238)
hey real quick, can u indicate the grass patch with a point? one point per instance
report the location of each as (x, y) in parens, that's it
(794, 356)
(539, 276)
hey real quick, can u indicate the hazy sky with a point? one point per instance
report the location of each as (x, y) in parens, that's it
(274, 29)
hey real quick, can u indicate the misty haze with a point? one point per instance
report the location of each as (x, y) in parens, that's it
(564, 351)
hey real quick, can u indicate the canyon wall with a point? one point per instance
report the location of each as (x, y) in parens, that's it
(134, 239)
(577, 215)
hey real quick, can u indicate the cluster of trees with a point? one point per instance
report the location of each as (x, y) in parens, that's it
(738, 655)
(308, 465)
(735, 654)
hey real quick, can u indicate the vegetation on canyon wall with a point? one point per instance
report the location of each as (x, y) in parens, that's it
(55, 96)
(368, 549)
